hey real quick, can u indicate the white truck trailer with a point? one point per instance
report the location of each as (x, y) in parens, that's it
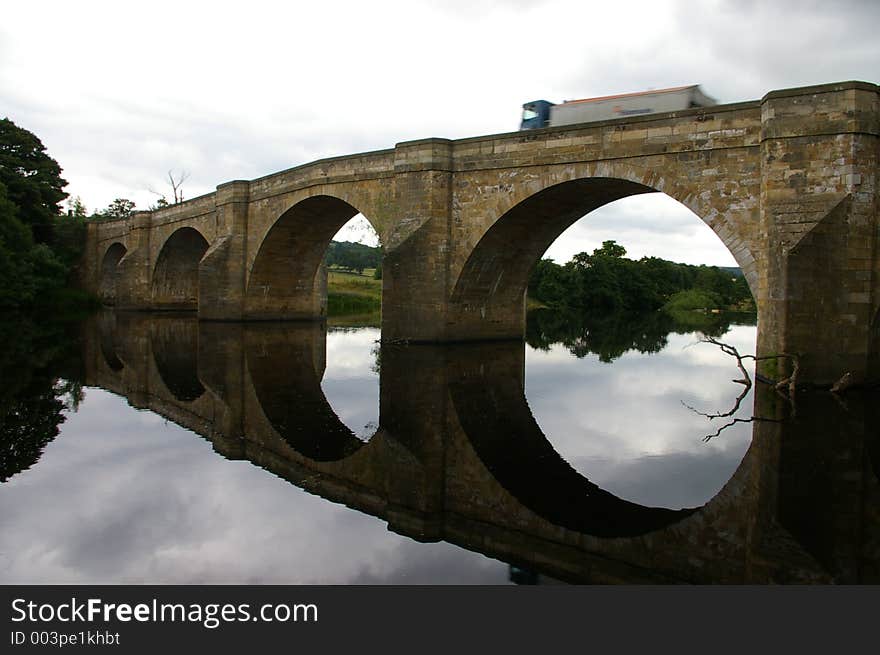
(541, 113)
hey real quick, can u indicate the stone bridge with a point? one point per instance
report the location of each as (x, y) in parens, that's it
(788, 183)
(458, 457)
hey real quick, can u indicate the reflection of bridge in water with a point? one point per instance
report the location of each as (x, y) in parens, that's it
(459, 457)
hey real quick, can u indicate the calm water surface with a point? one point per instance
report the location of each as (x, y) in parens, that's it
(235, 454)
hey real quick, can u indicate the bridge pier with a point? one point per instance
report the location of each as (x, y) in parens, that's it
(134, 270)
(818, 294)
(222, 269)
(415, 271)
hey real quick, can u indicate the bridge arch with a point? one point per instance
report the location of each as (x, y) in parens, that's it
(488, 289)
(175, 283)
(285, 280)
(108, 286)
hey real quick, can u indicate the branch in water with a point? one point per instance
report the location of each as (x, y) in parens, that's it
(709, 437)
(789, 383)
(746, 380)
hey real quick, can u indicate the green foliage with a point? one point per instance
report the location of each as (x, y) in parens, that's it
(353, 257)
(605, 280)
(695, 298)
(610, 335)
(32, 179)
(27, 269)
(353, 299)
(41, 376)
(340, 304)
(39, 247)
(77, 209)
(119, 208)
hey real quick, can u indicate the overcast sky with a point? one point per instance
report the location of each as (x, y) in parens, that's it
(122, 92)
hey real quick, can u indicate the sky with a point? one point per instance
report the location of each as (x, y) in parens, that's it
(123, 93)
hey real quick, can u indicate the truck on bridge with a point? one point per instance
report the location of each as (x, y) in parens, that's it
(541, 113)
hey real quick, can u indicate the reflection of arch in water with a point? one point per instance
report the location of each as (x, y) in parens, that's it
(107, 287)
(175, 345)
(107, 336)
(286, 366)
(176, 275)
(874, 350)
(487, 392)
(874, 444)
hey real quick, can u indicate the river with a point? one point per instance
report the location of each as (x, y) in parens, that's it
(155, 449)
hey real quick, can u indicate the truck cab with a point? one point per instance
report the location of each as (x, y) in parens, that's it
(535, 114)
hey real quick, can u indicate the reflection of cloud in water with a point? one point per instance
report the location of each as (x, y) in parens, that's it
(350, 383)
(624, 426)
(124, 497)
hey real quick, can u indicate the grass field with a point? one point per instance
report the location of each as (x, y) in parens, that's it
(353, 299)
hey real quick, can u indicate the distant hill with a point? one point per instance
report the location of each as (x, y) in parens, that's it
(736, 271)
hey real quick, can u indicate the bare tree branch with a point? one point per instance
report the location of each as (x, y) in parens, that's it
(177, 184)
(789, 384)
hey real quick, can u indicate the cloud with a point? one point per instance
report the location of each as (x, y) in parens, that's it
(122, 93)
(650, 225)
(651, 452)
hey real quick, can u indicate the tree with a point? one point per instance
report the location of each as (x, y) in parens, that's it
(610, 249)
(119, 208)
(177, 185)
(607, 281)
(351, 256)
(16, 244)
(32, 179)
(76, 208)
(176, 189)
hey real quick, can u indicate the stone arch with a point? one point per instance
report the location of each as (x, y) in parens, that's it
(286, 280)
(175, 283)
(108, 286)
(487, 300)
(723, 211)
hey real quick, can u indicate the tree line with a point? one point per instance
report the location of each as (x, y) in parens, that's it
(608, 281)
(354, 257)
(39, 245)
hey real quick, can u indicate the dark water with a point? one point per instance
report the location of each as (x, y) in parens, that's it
(161, 450)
